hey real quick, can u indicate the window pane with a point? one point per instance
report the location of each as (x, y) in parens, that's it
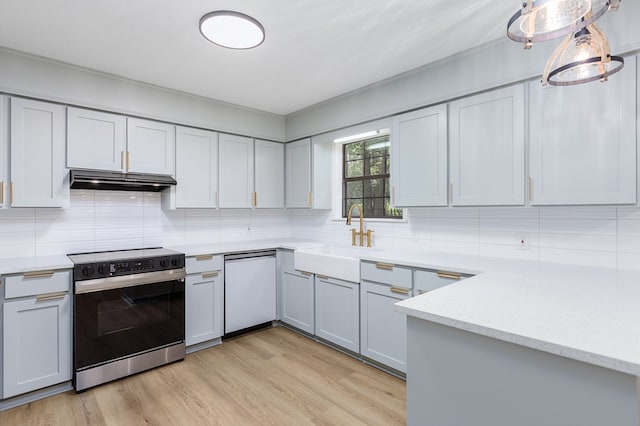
(374, 207)
(353, 189)
(349, 202)
(353, 168)
(373, 188)
(353, 151)
(374, 166)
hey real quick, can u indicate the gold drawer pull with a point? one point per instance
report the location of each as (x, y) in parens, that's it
(204, 257)
(50, 296)
(255, 199)
(310, 199)
(384, 266)
(449, 275)
(322, 277)
(38, 274)
(210, 274)
(399, 290)
(305, 273)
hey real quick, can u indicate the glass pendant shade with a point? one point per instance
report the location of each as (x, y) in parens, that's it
(540, 20)
(583, 57)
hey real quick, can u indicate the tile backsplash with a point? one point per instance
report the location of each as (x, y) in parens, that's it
(113, 220)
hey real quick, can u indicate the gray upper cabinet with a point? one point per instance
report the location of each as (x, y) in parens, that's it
(196, 170)
(236, 167)
(96, 140)
(486, 163)
(151, 147)
(269, 175)
(4, 151)
(298, 174)
(39, 177)
(583, 142)
(419, 158)
(103, 141)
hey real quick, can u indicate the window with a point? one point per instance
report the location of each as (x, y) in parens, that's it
(365, 178)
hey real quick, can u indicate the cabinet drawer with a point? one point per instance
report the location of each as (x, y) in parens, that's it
(203, 263)
(426, 280)
(36, 283)
(386, 273)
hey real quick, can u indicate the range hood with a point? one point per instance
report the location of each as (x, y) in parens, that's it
(114, 181)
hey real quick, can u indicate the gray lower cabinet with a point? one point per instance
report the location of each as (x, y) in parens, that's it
(295, 295)
(338, 312)
(36, 332)
(383, 333)
(204, 299)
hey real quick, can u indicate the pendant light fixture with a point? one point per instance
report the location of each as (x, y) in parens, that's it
(541, 20)
(233, 30)
(584, 55)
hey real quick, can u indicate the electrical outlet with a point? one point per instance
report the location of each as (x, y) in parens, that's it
(522, 242)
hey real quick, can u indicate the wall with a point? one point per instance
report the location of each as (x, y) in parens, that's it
(596, 236)
(110, 220)
(31, 76)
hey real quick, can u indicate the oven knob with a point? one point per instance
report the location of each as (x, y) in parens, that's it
(101, 270)
(174, 262)
(87, 271)
(164, 263)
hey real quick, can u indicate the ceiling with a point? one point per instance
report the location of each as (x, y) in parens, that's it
(314, 49)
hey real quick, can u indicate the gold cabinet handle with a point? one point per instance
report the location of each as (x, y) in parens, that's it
(51, 296)
(399, 290)
(38, 274)
(305, 273)
(384, 266)
(530, 189)
(122, 160)
(210, 274)
(310, 199)
(449, 275)
(322, 277)
(1, 192)
(204, 257)
(255, 199)
(128, 160)
(10, 192)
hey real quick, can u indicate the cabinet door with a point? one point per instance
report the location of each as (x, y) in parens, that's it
(4, 151)
(419, 158)
(236, 171)
(205, 307)
(37, 344)
(383, 334)
(583, 142)
(297, 301)
(298, 174)
(269, 174)
(151, 147)
(96, 140)
(338, 312)
(487, 148)
(39, 177)
(196, 168)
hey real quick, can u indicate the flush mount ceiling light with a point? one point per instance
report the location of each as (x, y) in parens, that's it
(583, 57)
(233, 30)
(540, 20)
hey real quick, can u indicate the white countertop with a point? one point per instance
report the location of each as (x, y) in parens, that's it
(37, 263)
(587, 314)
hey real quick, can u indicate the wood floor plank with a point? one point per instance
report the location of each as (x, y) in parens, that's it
(270, 377)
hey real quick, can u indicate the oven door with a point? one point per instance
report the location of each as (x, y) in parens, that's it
(114, 323)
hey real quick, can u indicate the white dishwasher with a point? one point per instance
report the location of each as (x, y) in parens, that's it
(250, 290)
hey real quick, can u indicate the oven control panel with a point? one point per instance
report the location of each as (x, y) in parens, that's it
(97, 270)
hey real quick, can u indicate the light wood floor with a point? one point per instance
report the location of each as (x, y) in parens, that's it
(270, 377)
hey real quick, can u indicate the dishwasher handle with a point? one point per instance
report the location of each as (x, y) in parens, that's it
(250, 255)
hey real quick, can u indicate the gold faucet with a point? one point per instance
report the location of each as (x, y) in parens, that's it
(360, 233)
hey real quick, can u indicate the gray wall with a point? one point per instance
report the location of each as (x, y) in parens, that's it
(27, 75)
(495, 64)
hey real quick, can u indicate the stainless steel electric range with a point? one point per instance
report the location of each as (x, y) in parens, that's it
(129, 313)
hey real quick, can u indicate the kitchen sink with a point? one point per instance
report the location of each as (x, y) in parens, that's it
(333, 261)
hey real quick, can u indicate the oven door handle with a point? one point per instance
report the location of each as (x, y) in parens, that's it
(124, 281)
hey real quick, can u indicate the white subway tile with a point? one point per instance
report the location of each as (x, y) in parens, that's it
(578, 257)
